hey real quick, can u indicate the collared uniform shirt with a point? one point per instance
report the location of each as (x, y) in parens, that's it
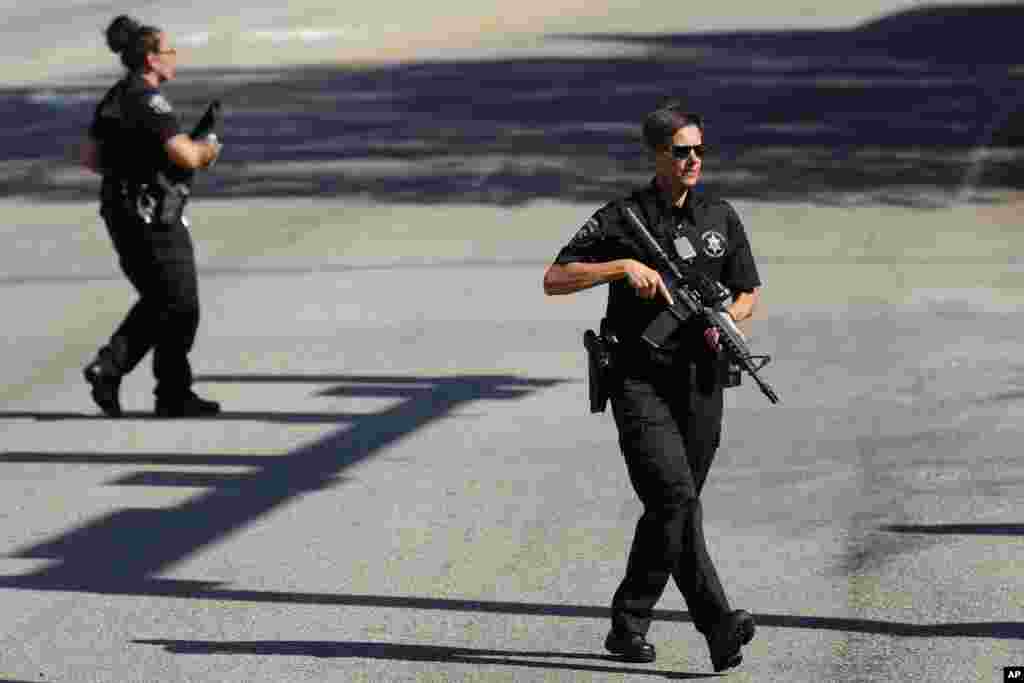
(711, 227)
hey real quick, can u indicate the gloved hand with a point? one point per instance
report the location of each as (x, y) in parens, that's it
(711, 337)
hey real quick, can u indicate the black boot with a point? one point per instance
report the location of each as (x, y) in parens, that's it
(106, 384)
(187, 405)
(733, 631)
(631, 647)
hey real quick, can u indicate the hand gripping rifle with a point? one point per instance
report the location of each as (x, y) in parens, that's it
(205, 127)
(696, 294)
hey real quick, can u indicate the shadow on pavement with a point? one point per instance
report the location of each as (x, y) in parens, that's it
(1003, 397)
(965, 529)
(122, 553)
(128, 546)
(227, 416)
(411, 653)
(205, 590)
(14, 280)
(916, 108)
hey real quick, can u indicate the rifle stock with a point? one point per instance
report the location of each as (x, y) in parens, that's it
(689, 301)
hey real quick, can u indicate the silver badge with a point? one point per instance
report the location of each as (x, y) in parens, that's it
(714, 243)
(159, 104)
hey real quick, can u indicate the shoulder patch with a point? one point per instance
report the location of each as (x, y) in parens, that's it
(588, 229)
(159, 104)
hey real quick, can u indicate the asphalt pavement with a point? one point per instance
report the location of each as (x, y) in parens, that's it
(406, 484)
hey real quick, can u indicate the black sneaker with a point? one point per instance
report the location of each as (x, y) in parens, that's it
(733, 631)
(631, 647)
(188, 406)
(106, 387)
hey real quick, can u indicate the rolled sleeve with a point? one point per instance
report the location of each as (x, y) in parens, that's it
(594, 242)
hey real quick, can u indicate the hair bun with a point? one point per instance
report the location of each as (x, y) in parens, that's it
(121, 32)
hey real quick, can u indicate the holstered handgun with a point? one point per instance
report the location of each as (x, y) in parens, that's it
(172, 200)
(161, 201)
(600, 366)
(144, 204)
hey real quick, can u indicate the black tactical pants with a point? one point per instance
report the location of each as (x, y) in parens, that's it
(669, 419)
(159, 261)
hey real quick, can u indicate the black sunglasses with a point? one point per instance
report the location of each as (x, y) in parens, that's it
(682, 152)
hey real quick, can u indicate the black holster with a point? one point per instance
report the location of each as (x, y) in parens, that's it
(600, 366)
(170, 200)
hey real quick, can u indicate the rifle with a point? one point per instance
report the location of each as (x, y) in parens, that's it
(206, 126)
(696, 294)
(208, 123)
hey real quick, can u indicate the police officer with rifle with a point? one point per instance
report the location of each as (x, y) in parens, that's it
(681, 273)
(147, 162)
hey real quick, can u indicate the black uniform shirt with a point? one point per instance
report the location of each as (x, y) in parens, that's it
(132, 123)
(710, 225)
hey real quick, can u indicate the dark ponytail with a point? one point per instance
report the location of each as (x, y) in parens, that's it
(132, 40)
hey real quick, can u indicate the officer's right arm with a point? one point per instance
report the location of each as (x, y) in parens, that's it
(567, 278)
(594, 257)
(192, 154)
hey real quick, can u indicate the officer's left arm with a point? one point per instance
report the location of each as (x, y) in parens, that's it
(89, 149)
(743, 304)
(739, 272)
(89, 155)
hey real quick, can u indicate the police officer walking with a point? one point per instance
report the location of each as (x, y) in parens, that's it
(136, 143)
(667, 402)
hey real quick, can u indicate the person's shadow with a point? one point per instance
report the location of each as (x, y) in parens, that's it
(416, 653)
